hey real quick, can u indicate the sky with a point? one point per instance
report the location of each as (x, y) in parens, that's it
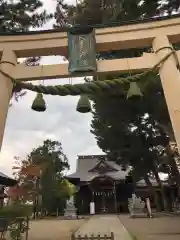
(26, 129)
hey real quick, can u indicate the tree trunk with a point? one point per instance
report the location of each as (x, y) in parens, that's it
(151, 189)
(173, 164)
(167, 129)
(164, 198)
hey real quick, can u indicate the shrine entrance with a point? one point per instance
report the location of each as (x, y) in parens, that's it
(104, 195)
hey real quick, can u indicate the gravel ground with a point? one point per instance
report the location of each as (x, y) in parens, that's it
(53, 229)
(157, 228)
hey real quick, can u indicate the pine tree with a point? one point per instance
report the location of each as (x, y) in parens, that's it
(22, 15)
(105, 11)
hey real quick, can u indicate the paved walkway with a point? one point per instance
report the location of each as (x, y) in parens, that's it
(104, 224)
(157, 228)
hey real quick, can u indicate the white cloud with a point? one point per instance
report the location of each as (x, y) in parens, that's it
(25, 129)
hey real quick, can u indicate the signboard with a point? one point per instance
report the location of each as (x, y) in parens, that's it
(81, 46)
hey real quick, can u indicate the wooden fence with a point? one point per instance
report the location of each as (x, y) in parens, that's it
(93, 237)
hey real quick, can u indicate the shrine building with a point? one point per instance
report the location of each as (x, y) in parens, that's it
(102, 182)
(106, 184)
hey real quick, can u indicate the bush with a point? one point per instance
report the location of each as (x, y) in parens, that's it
(16, 210)
(15, 216)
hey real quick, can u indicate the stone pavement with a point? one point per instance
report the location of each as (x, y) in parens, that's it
(158, 228)
(104, 224)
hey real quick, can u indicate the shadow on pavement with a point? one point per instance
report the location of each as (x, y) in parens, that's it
(174, 233)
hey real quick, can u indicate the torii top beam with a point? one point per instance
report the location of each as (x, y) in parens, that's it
(130, 35)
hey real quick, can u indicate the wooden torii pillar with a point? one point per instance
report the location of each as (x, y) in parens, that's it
(158, 34)
(8, 62)
(170, 79)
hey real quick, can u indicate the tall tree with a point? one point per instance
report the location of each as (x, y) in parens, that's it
(18, 16)
(105, 11)
(42, 174)
(129, 137)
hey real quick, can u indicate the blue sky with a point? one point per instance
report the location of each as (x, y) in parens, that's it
(26, 129)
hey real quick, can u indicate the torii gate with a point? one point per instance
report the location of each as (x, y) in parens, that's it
(158, 34)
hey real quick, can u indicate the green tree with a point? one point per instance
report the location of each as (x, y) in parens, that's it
(18, 16)
(128, 137)
(105, 11)
(48, 189)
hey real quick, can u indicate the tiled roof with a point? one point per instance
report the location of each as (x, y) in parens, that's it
(154, 183)
(86, 163)
(6, 181)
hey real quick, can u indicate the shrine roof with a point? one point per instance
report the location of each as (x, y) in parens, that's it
(85, 165)
(6, 181)
(154, 183)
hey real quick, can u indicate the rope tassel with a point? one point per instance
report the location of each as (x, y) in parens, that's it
(83, 105)
(134, 90)
(39, 104)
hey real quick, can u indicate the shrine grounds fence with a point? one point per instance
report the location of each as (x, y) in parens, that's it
(93, 237)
